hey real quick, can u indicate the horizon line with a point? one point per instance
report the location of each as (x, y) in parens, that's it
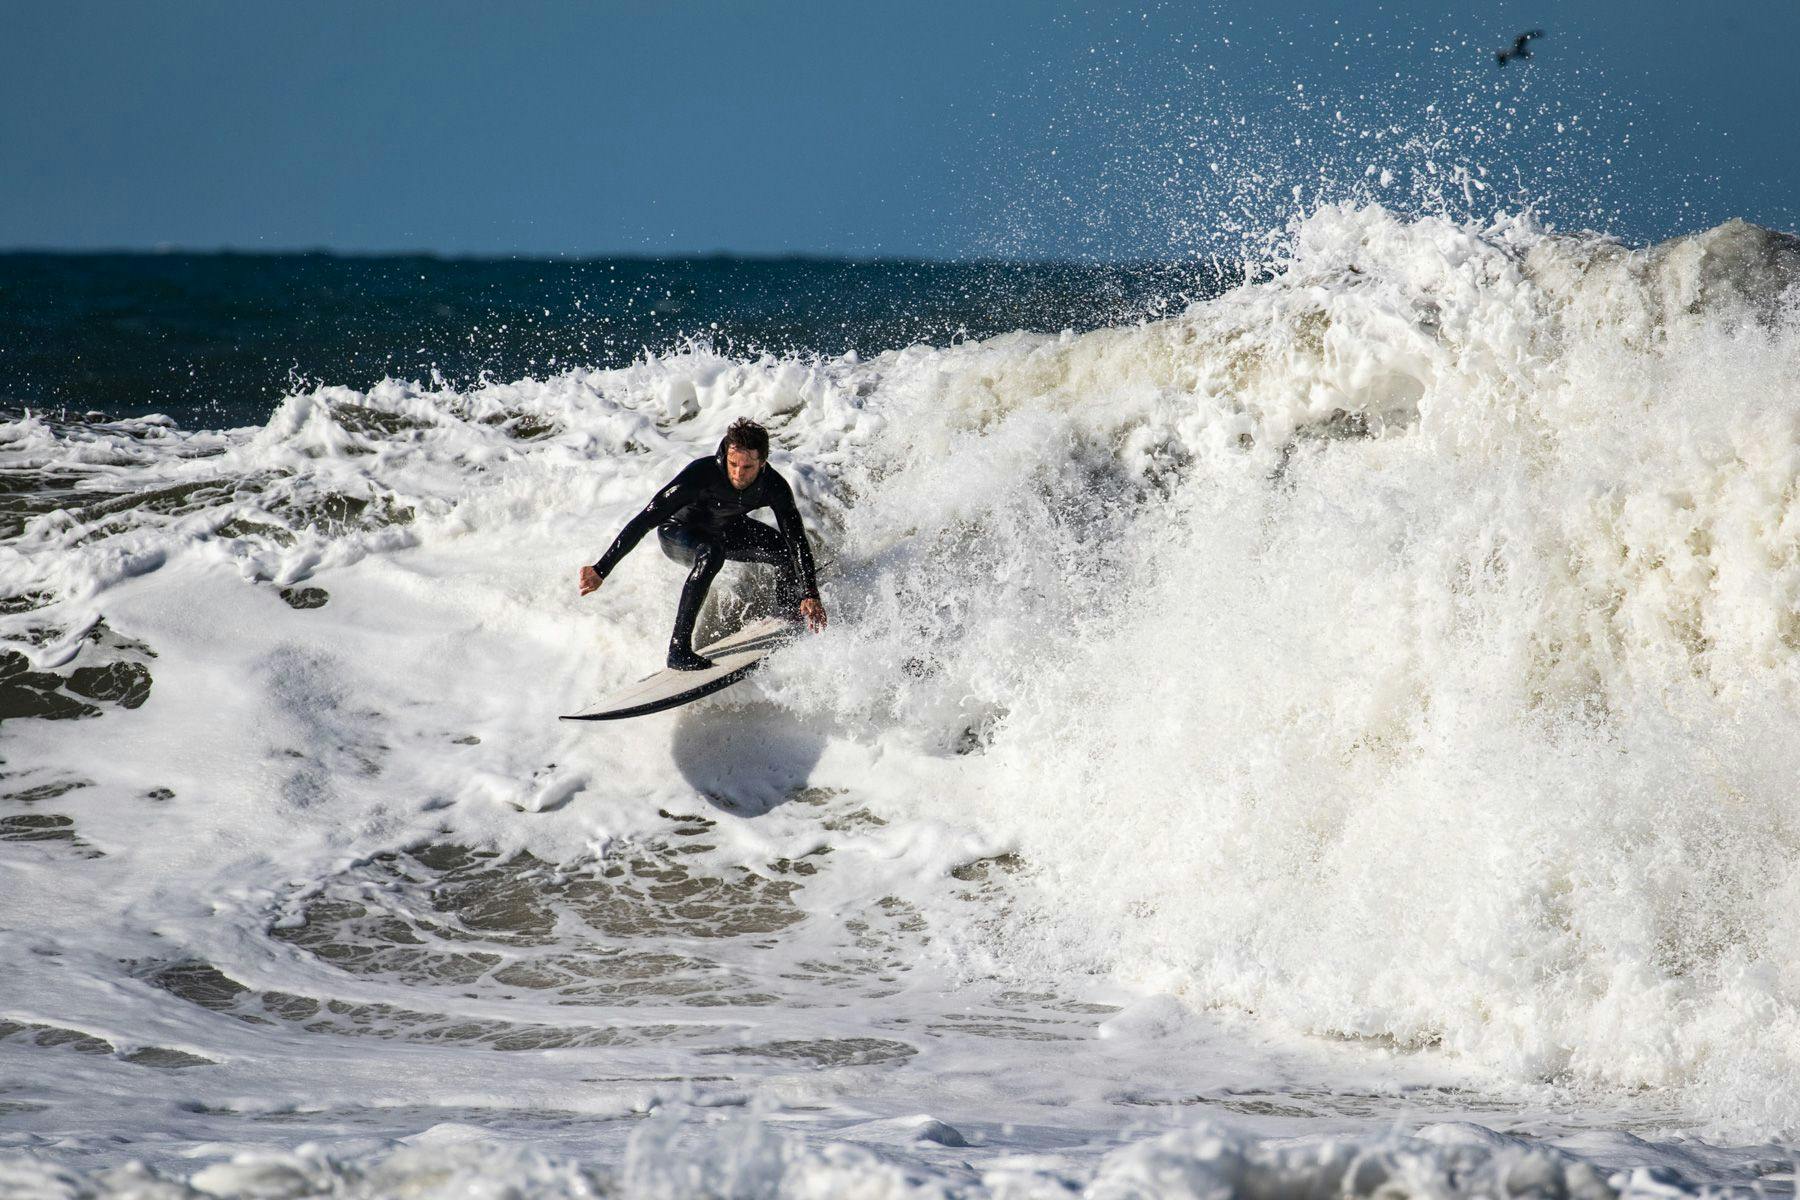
(784, 256)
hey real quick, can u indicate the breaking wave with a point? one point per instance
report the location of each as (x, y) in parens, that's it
(1402, 647)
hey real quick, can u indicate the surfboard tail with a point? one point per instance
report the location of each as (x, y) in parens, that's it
(733, 658)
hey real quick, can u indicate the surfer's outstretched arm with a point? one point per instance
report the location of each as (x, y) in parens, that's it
(679, 492)
(793, 532)
(787, 519)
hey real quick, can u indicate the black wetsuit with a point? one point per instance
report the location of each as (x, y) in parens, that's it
(703, 525)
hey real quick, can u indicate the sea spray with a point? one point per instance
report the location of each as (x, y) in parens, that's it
(1402, 647)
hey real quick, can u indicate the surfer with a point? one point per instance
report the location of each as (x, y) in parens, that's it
(700, 520)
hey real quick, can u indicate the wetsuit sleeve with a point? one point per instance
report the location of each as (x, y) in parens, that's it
(787, 519)
(677, 494)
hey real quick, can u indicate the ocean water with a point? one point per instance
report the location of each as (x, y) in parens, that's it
(1323, 729)
(218, 340)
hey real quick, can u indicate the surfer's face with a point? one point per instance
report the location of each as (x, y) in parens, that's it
(742, 467)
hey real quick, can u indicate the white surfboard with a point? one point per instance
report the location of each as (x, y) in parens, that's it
(733, 658)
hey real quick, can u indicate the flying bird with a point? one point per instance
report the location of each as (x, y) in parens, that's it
(1519, 48)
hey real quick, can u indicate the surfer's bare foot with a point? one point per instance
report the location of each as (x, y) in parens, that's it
(681, 659)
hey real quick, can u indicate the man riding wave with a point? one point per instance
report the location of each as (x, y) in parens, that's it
(700, 518)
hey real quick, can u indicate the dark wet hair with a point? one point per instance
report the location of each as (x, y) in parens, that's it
(746, 434)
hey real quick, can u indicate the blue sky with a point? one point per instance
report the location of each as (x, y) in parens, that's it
(924, 128)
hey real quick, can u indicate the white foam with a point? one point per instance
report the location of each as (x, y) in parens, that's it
(1424, 665)
(674, 1158)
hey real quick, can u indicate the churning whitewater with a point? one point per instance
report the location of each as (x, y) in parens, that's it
(1358, 709)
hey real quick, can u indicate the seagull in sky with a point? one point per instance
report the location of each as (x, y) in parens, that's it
(1519, 48)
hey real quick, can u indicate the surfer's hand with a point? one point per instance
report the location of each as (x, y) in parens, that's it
(814, 612)
(590, 580)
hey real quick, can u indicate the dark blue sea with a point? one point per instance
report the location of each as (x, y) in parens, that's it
(215, 340)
